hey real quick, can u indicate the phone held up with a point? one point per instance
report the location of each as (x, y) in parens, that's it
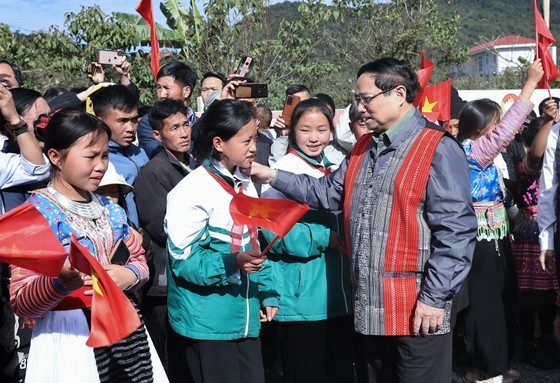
(245, 65)
(251, 90)
(289, 106)
(106, 57)
(120, 254)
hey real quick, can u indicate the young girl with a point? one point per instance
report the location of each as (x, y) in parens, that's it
(314, 281)
(217, 280)
(488, 323)
(76, 145)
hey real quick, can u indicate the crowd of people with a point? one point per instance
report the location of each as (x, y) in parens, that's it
(424, 242)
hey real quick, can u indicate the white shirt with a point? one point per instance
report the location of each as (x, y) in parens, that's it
(17, 170)
(546, 216)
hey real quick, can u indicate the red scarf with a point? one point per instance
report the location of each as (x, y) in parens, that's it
(236, 231)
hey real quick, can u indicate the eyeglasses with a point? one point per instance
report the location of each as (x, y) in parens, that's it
(365, 99)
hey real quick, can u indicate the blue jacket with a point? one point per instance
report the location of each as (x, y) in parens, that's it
(128, 161)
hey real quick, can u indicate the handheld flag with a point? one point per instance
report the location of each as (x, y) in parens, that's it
(276, 215)
(26, 240)
(146, 10)
(113, 317)
(544, 41)
(424, 74)
(435, 102)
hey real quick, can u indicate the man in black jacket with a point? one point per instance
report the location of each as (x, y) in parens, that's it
(171, 128)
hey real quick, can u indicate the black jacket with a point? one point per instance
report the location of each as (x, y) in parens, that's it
(155, 180)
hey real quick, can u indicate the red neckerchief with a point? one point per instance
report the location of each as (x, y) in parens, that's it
(236, 231)
(325, 171)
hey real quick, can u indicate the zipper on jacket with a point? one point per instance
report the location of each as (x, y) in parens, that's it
(247, 308)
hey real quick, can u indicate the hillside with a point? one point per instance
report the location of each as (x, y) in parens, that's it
(481, 20)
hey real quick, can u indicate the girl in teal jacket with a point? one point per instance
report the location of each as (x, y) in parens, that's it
(313, 282)
(217, 281)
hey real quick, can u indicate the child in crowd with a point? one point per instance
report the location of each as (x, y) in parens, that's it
(217, 280)
(77, 146)
(309, 266)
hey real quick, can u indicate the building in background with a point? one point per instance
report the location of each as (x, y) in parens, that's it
(492, 58)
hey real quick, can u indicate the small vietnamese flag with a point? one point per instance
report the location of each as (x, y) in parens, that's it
(276, 215)
(145, 9)
(424, 74)
(544, 41)
(435, 103)
(113, 317)
(26, 240)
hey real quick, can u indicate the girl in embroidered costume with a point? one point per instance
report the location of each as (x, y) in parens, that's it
(537, 288)
(487, 321)
(77, 146)
(217, 280)
(310, 268)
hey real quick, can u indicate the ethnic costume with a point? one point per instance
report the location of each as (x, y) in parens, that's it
(58, 347)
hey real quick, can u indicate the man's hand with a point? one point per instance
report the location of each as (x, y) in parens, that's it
(427, 319)
(550, 111)
(98, 74)
(547, 260)
(7, 106)
(335, 243)
(262, 174)
(123, 70)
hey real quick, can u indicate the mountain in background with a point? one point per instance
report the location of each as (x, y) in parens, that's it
(481, 20)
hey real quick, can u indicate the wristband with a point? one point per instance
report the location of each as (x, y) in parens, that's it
(19, 128)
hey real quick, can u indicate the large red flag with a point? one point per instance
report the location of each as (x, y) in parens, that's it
(26, 240)
(113, 317)
(435, 103)
(544, 41)
(424, 74)
(145, 9)
(276, 215)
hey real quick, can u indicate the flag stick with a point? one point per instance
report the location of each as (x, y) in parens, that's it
(267, 248)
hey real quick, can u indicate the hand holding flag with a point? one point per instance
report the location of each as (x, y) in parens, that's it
(113, 317)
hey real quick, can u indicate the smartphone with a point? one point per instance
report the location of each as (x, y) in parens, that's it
(252, 90)
(120, 254)
(289, 106)
(109, 57)
(245, 66)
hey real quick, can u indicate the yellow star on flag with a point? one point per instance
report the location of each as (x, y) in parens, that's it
(262, 209)
(95, 283)
(428, 106)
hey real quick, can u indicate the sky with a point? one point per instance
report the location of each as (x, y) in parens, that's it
(33, 15)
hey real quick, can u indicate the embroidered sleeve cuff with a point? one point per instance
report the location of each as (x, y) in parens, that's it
(231, 269)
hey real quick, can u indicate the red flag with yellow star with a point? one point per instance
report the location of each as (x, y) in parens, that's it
(276, 215)
(113, 317)
(26, 240)
(424, 74)
(435, 102)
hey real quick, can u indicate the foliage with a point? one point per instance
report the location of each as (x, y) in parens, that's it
(308, 42)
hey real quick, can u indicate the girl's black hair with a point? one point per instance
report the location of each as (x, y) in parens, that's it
(68, 125)
(475, 116)
(530, 132)
(311, 104)
(24, 99)
(223, 118)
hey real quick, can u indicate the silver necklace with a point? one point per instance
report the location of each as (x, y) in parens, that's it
(88, 210)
